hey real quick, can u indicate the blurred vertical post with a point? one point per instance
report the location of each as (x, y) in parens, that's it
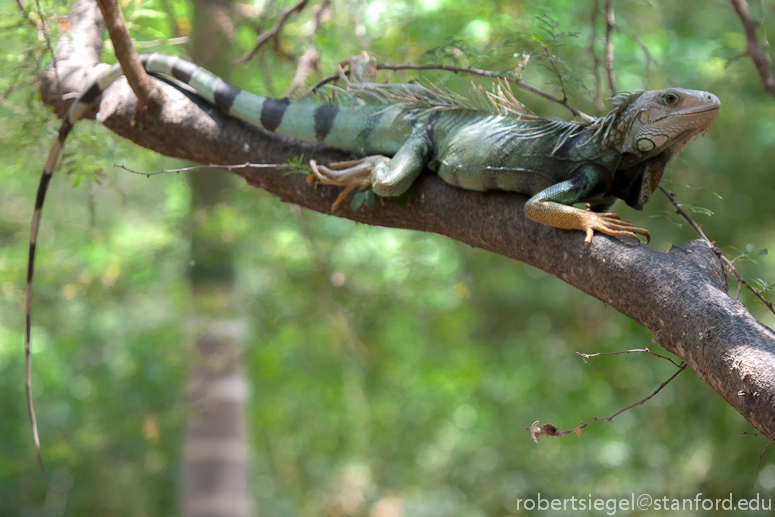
(215, 451)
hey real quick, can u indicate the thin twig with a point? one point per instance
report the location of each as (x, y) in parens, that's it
(211, 166)
(167, 8)
(157, 42)
(728, 263)
(765, 41)
(634, 37)
(760, 58)
(272, 33)
(609, 45)
(519, 83)
(551, 430)
(309, 61)
(587, 356)
(49, 46)
(327, 79)
(759, 467)
(640, 402)
(599, 106)
(559, 75)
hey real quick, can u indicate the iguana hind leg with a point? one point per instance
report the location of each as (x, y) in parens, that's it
(387, 176)
(350, 174)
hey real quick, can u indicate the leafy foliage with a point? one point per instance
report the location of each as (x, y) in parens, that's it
(750, 254)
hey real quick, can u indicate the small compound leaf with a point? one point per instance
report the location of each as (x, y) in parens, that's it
(361, 197)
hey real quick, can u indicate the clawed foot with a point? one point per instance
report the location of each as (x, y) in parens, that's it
(350, 174)
(610, 224)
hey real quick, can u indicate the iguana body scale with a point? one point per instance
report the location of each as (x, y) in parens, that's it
(491, 142)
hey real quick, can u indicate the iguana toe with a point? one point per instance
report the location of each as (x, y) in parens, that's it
(610, 224)
(349, 174)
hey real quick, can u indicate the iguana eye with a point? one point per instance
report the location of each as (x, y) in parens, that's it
(671, 98)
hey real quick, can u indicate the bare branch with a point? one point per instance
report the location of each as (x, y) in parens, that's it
(519, 83)
(167, 8)
(599, 106)
(587, 356)
(765, 41)
(44, 28)
(272, 33)
(609, 45)
(157, 42)
(551, 430)
(759, 467)
(474, 71)
(274, 166)
(728, 263)
(754, 50)
(309, 61)
(634, 37)
(640, 402)
(147, 92)
(327, 79)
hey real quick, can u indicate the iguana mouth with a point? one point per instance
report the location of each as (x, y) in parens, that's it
(703, 110)
(695, 111)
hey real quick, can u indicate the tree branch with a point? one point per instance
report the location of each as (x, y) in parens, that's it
(145, 89)
(754, 50)
(609, 45)
(272, 33)
(681, 295)
(595, 60)
(551, 430)
(474, 71)
(308, 63)
(728, 263)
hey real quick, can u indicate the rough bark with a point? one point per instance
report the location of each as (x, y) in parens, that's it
(681, 295)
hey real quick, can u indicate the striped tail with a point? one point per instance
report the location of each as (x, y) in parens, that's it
(75, 112)
(326, 123)
(267, 113)
(345, 126)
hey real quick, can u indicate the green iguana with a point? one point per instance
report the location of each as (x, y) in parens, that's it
(489, 143)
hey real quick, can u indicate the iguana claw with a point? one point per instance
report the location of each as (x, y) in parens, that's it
(609, 224)
(572, 218)
(349, 174)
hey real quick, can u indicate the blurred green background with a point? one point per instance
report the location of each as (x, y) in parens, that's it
(382, 363)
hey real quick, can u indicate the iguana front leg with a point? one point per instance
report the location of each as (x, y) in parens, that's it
(551, 206)
(387, 176)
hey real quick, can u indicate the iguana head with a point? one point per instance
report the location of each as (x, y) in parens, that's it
(651, 128)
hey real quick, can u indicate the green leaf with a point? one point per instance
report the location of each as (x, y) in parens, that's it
(669, 216)
(749, 254)
(703, 188)
(697, 209)
(762, 286)
(297, 165)
(363, 196)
